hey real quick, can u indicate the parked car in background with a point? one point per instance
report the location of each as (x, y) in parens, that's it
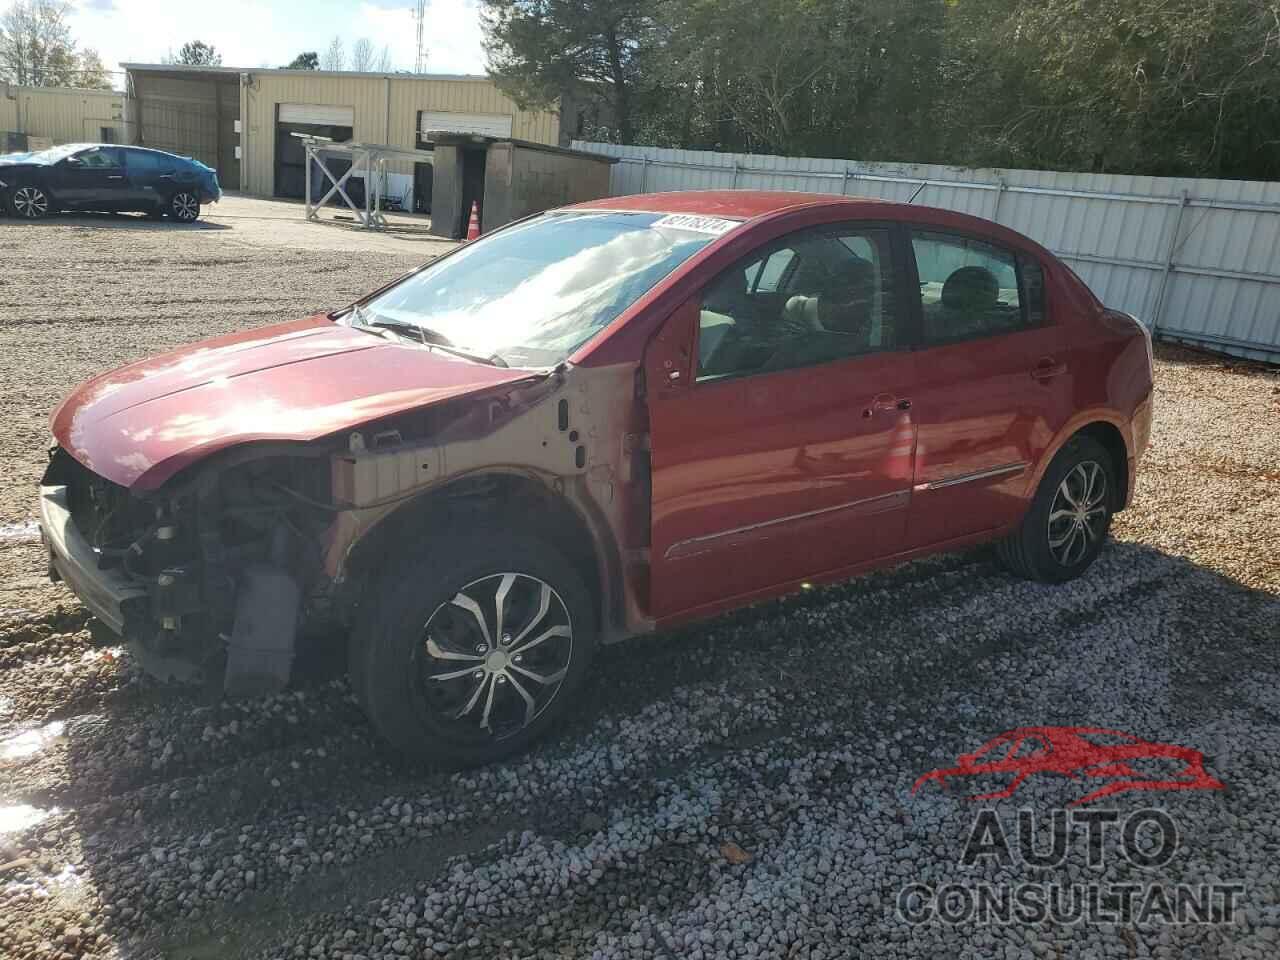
(108, 178)
(594, 423)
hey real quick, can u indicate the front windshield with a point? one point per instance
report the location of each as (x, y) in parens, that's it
(533, 293)
(54, 154)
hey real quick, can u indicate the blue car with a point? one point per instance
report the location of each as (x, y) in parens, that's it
(105, 177)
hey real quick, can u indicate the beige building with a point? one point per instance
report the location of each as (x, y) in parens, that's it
(241, 121)
(62, 115)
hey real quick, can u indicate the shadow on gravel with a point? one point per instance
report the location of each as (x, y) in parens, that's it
(240, 820)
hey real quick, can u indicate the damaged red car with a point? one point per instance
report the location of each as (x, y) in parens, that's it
(591, 424)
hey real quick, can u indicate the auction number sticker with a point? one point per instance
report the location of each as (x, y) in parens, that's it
(715, 226)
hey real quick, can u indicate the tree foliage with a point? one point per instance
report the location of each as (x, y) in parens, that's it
(1174, 87)
(197, 53)
(310, 60)
(37, 49)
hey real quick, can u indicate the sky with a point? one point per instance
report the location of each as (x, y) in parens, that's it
(270, 33)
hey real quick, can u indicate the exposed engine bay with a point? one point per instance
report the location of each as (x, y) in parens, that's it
(214, 575)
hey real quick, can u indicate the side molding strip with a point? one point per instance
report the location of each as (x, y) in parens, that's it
(877, 504)
(971, 477)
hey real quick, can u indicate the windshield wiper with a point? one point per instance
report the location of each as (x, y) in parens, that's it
(430, 339)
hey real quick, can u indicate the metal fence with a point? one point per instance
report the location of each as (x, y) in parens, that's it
(1197, 260)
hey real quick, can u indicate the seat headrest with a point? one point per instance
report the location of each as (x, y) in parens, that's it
(971, 288)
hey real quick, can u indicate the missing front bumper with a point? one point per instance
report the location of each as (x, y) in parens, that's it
(107, 593)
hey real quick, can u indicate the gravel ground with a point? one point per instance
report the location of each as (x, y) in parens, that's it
(742, 789)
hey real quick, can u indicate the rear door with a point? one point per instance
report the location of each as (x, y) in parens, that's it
(780, 442)
(992, 386)
(150, 177)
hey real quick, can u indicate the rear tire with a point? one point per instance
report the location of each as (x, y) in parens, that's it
(441, 677)
(184, 206)
(1069, 519)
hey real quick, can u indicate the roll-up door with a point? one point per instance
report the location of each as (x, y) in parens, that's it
(488, 124)
(317, 113)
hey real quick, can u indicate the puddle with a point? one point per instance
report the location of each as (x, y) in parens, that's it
(22, 816)
(28, 531)
(30, 742)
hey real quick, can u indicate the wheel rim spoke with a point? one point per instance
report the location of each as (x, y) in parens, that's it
(538, 678)
(500, 600)
(454, 674)
(544, 604)
(475, 698)
(440, 653)
(553, 632)
(529, 703)
(473, 608)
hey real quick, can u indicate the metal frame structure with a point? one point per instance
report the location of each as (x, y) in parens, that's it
(368, 160)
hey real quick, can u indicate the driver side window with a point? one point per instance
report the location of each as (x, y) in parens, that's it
(809, 298)
(100, 159)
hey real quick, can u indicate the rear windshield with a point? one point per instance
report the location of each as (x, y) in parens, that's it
(533, 293)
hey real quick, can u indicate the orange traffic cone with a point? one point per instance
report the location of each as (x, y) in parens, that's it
(473, 228)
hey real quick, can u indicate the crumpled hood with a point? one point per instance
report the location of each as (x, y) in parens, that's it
(140, 424)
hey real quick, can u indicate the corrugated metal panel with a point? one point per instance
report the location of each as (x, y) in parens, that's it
(1199, 259)
(63, 115)
(385, 111)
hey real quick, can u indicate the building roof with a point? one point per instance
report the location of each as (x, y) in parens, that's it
(235, 71)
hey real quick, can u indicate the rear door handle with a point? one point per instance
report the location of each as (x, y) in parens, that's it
(116, 177)
(1048, 368)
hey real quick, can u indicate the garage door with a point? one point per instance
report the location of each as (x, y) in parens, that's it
(489, 124)
(317, 113)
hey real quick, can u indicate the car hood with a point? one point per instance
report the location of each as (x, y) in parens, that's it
(140, 424)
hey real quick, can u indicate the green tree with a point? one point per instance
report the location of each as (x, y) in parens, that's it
(36, 47)
(304, 61)
(197, 53)
(93, 74)
(538, 49)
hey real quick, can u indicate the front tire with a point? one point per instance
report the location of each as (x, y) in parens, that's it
(30, 202)
(472, 650)
(1069, 518)
(184, 206)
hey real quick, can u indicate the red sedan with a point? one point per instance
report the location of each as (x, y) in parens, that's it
(594, 423)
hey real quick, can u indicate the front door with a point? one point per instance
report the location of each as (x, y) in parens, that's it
(92, 179)
(780, 424)
(992, 388)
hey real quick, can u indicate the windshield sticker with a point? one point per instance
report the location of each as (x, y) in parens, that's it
(686, 221)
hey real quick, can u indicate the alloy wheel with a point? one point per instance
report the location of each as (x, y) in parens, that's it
(185, 207)
(30, 202)
(496, 655)
(1078, 515)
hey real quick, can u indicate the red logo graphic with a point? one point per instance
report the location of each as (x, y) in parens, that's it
(1128, 762)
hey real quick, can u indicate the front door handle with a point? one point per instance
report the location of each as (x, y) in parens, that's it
(1048, 368)
(886, 401)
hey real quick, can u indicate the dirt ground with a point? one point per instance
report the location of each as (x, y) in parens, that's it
(137, 820)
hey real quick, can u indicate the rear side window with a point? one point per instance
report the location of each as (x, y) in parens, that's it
(971, 289)
(144, 162)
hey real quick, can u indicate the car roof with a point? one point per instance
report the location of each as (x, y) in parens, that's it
(730, 204)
